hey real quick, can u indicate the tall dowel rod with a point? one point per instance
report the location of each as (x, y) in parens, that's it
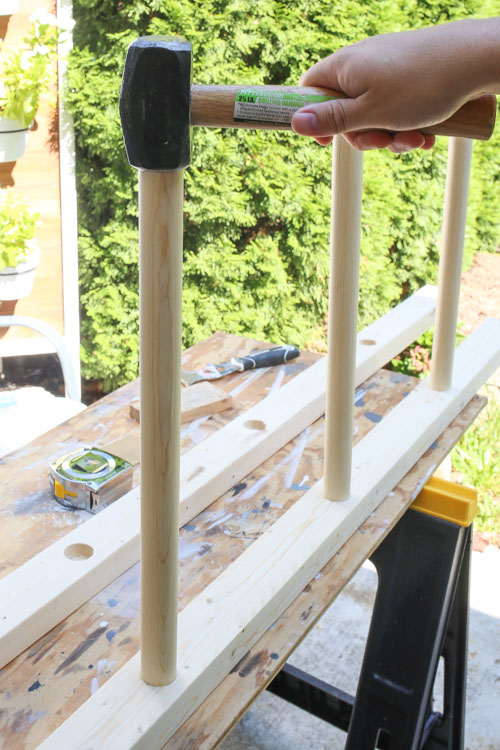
(450, 263)
(347, 177)
(160, 282)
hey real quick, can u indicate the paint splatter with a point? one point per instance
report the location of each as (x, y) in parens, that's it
(358, 397)
(193, 550)
(189, 527)
(274, 655)
(110, 635)
(248, 380)
(103, 665)
(94, 685)
(252, 663)
(35, 686)
(434, 445)
(79, 650)
(239, 488)
(399, 377)
(277, 381)
(112, 602)
(24, 719)
(302, 485)
(373, 416)
(218, 522)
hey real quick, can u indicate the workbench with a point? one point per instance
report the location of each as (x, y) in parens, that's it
(50, 680)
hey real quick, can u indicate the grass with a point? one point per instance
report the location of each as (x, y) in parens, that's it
(476, 461)
(476, 458)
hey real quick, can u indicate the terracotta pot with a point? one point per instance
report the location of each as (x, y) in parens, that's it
(17, 281)
(13, 139)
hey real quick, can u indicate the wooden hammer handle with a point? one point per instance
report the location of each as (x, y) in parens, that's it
(213, 107)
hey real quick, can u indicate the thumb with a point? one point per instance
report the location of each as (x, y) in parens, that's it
(330, 118)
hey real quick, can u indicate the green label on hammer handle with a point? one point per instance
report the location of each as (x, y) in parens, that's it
(274, 107)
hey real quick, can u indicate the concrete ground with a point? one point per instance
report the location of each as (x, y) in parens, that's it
(333, 652)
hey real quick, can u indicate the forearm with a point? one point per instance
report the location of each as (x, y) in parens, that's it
(402, 82)
(472, 50)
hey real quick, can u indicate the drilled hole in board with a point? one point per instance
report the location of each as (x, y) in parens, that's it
(368, 342)
(79, 551)
(255, 424)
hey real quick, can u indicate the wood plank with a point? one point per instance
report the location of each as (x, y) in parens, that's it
(85, 649)
(199, 400)
(225, 706)
(207, 471)
(27, 505)
(219, 626)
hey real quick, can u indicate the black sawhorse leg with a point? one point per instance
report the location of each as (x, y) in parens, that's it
(420, 614)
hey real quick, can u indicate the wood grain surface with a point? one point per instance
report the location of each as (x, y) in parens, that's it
(50, 680)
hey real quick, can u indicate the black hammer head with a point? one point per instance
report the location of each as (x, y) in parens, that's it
(154, 103)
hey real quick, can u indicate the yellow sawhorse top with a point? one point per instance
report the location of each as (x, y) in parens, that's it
(447, 500)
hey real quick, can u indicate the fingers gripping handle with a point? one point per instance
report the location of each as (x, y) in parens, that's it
(221, 107)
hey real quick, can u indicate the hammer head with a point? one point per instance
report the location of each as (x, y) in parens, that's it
(154, 103)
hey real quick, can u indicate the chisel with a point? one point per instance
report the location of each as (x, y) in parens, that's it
(278, 355)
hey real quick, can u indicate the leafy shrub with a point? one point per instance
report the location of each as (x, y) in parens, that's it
(17, 229)
(257, 203)
(27, 73)
(416, 359)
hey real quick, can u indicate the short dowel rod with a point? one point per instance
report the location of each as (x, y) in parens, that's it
(160, 274)
(450, 262)
(347, 177)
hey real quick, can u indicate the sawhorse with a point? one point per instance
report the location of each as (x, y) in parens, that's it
(421, 613)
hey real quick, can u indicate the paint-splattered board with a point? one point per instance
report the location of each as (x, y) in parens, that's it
(51, 679)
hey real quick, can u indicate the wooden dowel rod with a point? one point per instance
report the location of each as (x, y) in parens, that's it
(450, 262)
(160, 279)
(347, 177)
(213, 106)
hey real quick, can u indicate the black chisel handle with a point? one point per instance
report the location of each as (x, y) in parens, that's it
(278, 355)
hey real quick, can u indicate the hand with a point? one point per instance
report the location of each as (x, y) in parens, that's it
(400, 82)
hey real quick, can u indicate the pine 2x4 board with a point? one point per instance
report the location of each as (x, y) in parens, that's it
(207, 471)
(218, 627)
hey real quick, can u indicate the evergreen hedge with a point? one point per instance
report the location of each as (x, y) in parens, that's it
(257, 203)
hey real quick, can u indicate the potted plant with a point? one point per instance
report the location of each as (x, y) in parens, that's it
(19, 253)
(26, 76)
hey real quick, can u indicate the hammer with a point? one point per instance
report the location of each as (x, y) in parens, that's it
(158, 104)
(157, 107)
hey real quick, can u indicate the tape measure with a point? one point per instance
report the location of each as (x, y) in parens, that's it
(90, 478)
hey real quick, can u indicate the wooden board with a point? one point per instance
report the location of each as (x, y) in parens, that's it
(219, 626)
(112, 538)
(198, 400)
(64, 667)
(225, 706)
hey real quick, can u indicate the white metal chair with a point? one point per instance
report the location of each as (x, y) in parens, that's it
(26, 413)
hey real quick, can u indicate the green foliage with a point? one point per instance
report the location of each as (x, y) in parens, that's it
(17, 229)
(416, 359)
(257, 203)
(28, 72)
(475, 458)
